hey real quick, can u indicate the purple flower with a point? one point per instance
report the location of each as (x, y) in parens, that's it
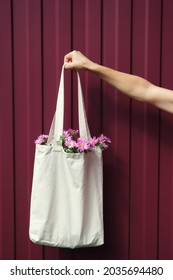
(42, 139)
(72, 144)
(104, 145)
(70, 133)
(38, 141)
(103, 142)
(66, 133)
(103, 138)
(73, 132)
(94, 142)
(69, 143)
(68, 139)
(83, 145)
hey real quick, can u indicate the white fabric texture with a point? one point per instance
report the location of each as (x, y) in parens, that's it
(67, 198)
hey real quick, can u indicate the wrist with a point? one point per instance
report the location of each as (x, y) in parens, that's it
(91, 66)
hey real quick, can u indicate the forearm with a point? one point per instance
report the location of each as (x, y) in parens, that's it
(131, 85)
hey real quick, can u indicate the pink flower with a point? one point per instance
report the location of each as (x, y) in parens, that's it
(45, 136)
(42, 139)
(70, 144)
(103, 142)
(68, 139)
(83, 145)
(66, 133)
(104, 145)
(38, 141)
(93, 142)
(72, 131)
(103, 138)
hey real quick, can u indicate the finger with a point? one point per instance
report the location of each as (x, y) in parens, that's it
(68, 57)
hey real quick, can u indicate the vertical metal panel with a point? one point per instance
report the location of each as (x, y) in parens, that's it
(144, 133)
(21, 127)
(87, 38)
(116, 115)
(130, 36)
(166, 141)
(34, 101)
(7, 236)
(27, 102)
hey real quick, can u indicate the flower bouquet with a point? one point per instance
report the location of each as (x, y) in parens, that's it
(72, 143)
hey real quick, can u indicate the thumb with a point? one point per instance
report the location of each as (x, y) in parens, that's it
(68, 65)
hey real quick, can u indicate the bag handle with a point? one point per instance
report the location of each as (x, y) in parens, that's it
(58, 120)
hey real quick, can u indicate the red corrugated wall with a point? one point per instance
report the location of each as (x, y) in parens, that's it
(134, 36)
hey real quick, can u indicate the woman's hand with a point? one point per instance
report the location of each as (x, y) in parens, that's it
(76, 60)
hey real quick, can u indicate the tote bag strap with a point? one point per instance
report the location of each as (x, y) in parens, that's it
(84, 131)
(58, 120)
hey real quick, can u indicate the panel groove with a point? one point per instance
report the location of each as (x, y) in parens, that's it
(130, 135)
(159, 134)
(42, 63)
(101, 62)
(13, 125)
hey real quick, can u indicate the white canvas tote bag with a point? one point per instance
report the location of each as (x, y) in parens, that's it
(66, 200)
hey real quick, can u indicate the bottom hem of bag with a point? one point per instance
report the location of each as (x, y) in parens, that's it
(60, 245)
